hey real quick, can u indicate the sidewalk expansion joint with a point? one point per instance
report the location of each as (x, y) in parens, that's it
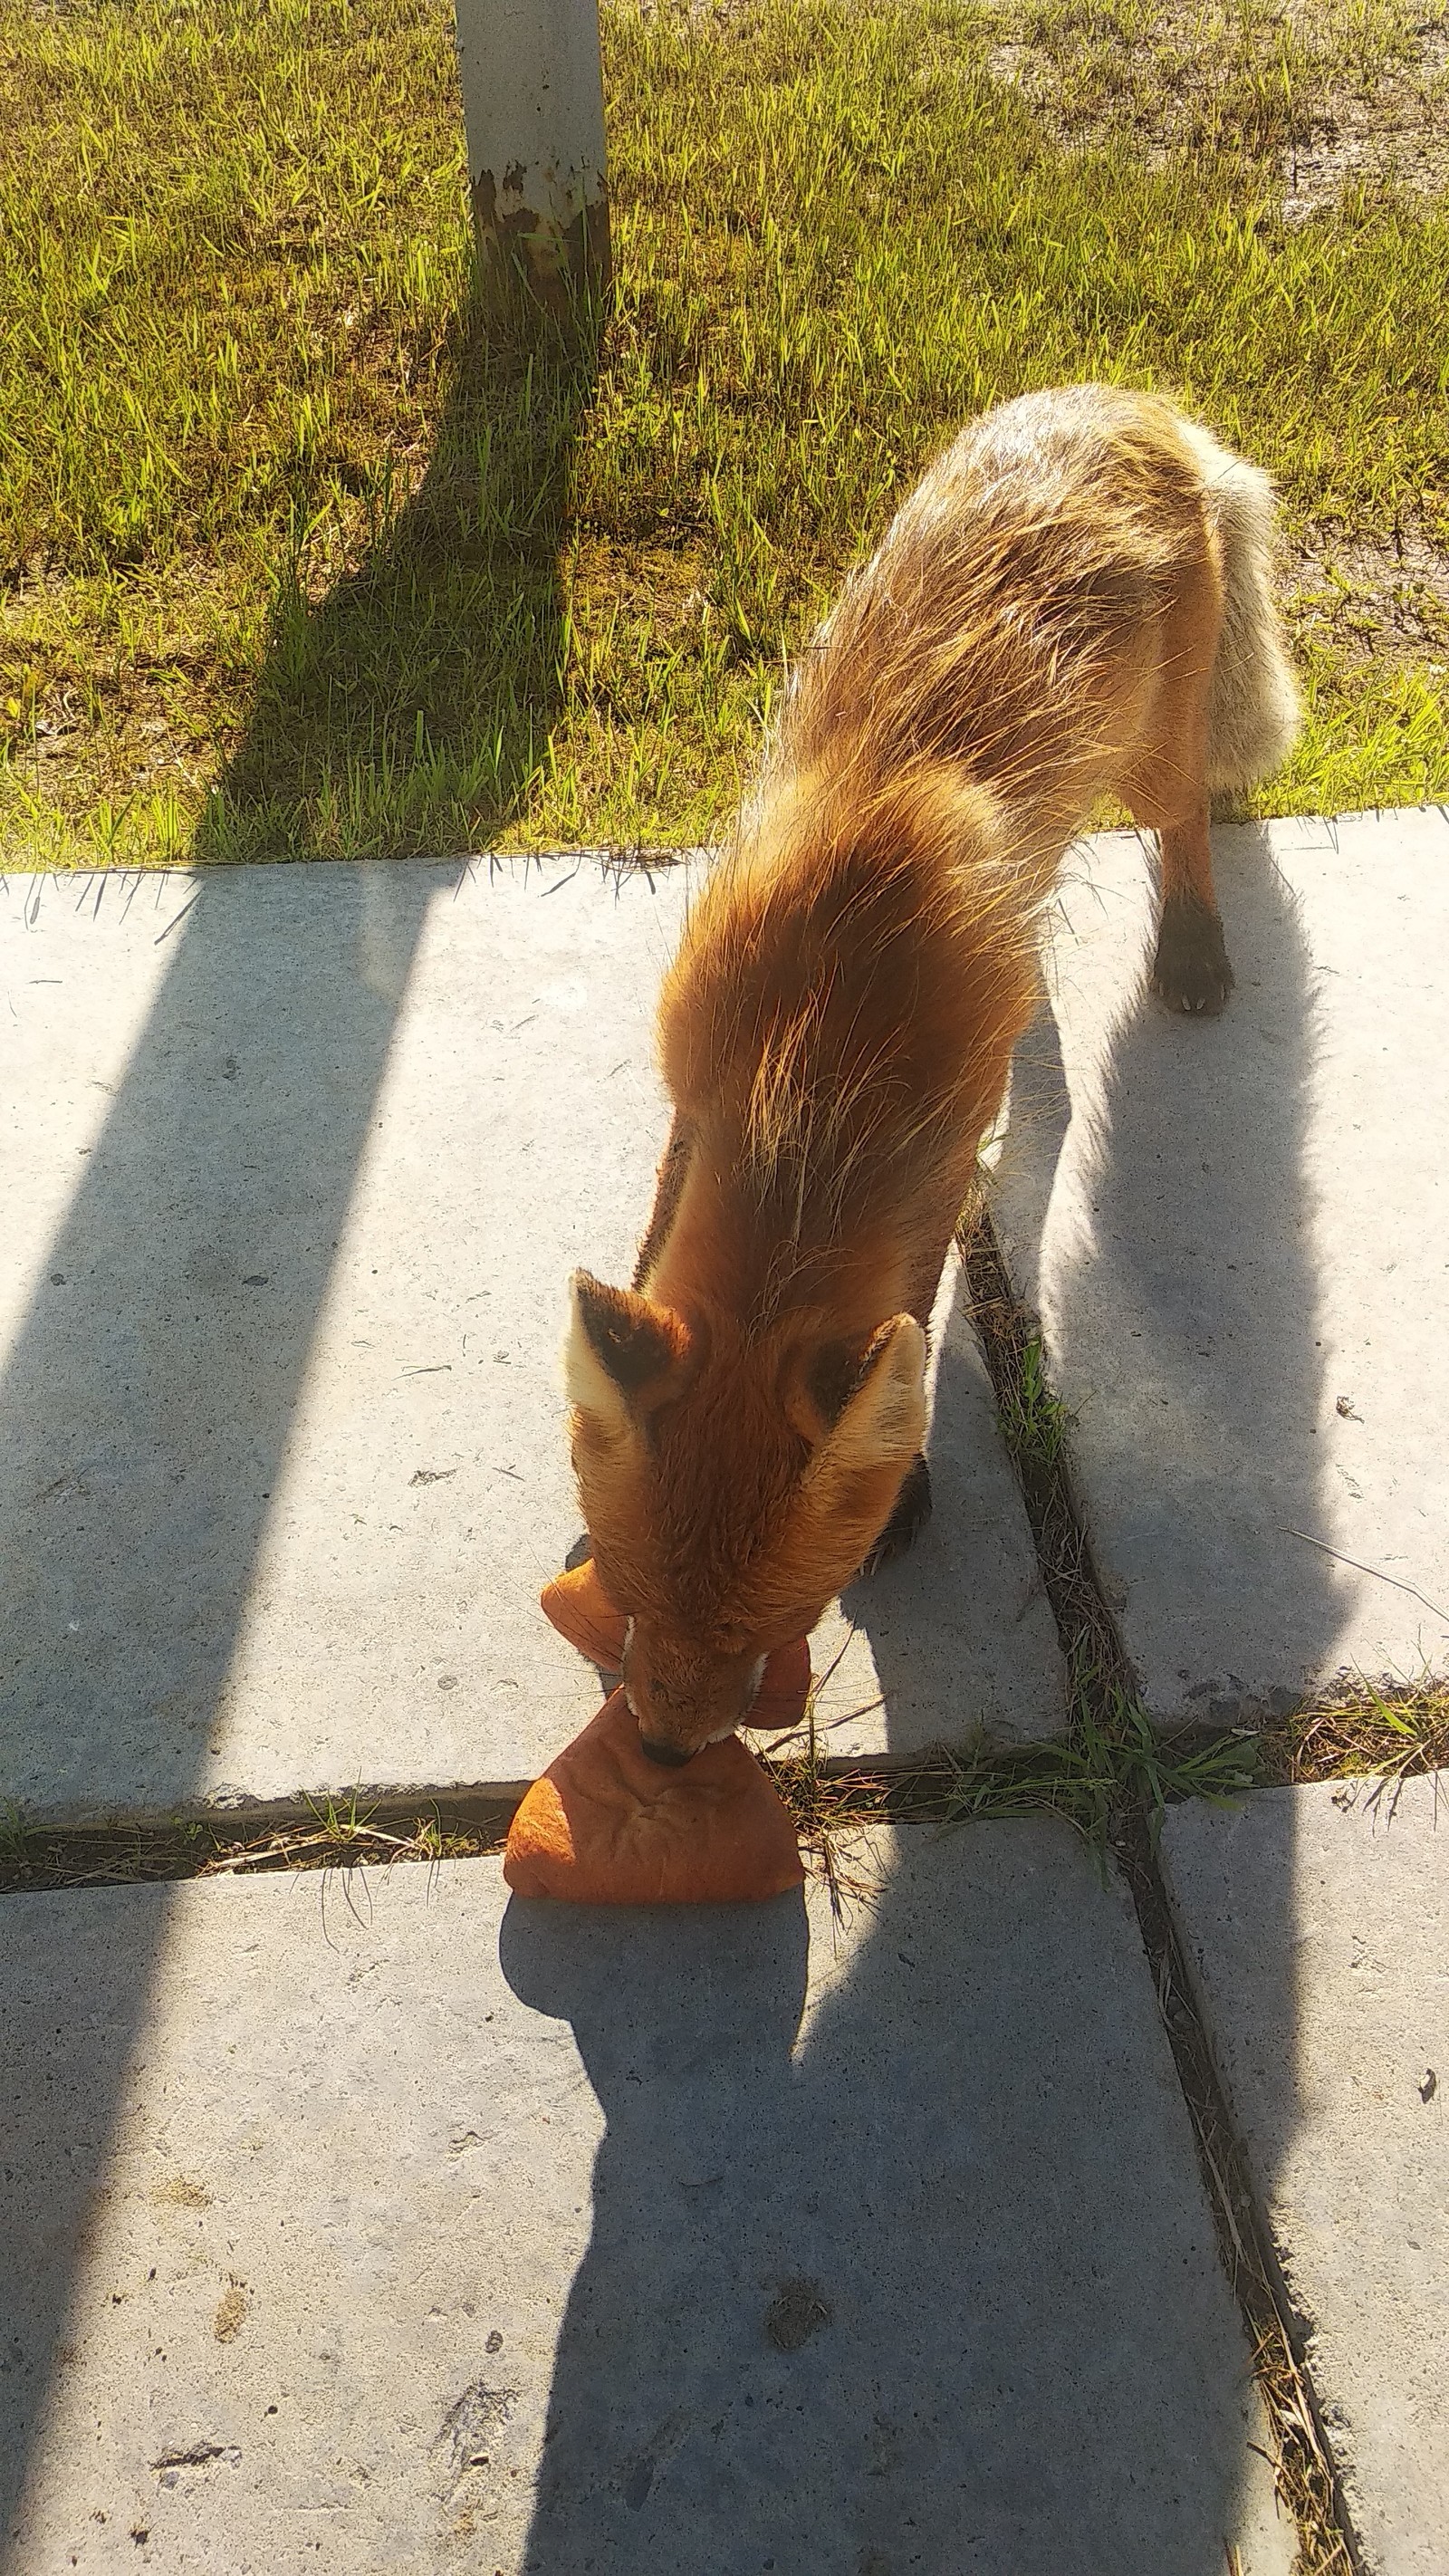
(1105, 1710)
(828, 1795)
(345, 1830)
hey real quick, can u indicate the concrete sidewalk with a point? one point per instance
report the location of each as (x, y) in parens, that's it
(441, 2231)
(377, 2222)
(1236, 1234)
(1336, 2060)
(297, 1162)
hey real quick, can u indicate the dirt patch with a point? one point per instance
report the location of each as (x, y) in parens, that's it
(798, 2311)
(1394, 134)
(1373, 598)
(181, 2192)
(1305, 94)
(230, 2315)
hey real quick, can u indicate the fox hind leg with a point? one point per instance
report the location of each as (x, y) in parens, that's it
(1191, 970)
(1167, 790)
(1226, 712)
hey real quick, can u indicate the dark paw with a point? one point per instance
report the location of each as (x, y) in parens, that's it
(1191, 970)
(912, 1511)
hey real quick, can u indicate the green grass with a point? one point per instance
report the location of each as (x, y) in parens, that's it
(295, 565)
(1115, 1760)
(1392, 1731)
(1034, 1421)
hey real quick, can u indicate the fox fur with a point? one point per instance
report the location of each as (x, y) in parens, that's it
(1074, 603)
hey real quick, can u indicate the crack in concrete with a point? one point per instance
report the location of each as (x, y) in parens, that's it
(1309, 2478)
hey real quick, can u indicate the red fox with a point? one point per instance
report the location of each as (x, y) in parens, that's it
(1074, 603)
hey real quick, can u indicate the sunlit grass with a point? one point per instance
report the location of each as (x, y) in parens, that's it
(296, 567)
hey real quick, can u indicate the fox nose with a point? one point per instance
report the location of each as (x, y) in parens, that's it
(673, 1756)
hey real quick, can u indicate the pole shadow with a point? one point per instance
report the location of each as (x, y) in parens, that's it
(150, 1389)
(407, 708)
(144, 1414)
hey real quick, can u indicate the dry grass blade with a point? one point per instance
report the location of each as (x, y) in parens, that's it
(1393, 1730)
(830, 1810)
(298, 1835)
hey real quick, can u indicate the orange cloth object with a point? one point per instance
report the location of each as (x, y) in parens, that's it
(579, 1607)
(606, 1826)
(784, 1689)
(581, 1610)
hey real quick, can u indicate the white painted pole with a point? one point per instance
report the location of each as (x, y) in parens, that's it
(533, 104)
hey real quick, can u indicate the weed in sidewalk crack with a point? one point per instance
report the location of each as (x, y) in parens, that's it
(1114, 1779)
(1035, 1422)
(323, 1833)
(1358, 1728)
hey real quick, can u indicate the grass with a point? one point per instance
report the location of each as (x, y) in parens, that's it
(295, 564)
(308, 1833)
(1361, 1729)
(1114, 1760)
(1034, 1422)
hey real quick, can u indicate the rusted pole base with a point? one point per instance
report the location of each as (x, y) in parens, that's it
(532, 265)
(533, 102)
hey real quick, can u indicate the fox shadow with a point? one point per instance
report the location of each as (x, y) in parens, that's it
(859, 2293)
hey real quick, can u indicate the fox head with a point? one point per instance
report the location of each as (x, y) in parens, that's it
(731, 1483)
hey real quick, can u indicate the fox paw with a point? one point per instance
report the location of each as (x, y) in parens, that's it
(1191, 971)
(912, 1511)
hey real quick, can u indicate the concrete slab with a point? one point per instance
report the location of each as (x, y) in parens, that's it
(1334, 2044)
(1237, 1236)
(416, 2233)
(959, 1635)
(296, 1162)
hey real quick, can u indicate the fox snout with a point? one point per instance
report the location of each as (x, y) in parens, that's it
(683, 1700)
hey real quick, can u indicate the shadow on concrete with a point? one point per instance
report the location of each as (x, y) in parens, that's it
(1028, 2361)
(957, 2158)
(959, 1630)
(404, 708)
(149, 1396)
(871, 2297)
(1181, 1296)
(150, 1392)
(1172, 1260)
(143, 1418)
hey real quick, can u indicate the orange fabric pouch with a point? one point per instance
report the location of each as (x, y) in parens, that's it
(606, 1826)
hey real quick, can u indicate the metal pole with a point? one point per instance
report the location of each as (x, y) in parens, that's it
(533, 104)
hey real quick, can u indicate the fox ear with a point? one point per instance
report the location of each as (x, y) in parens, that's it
(847, 1492)
(883, 1422)
(623, 1355)
(817, 1383)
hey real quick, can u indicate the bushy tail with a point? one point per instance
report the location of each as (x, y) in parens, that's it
(1253, 710)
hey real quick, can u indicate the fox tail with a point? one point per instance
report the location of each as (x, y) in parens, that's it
(1253, 711)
